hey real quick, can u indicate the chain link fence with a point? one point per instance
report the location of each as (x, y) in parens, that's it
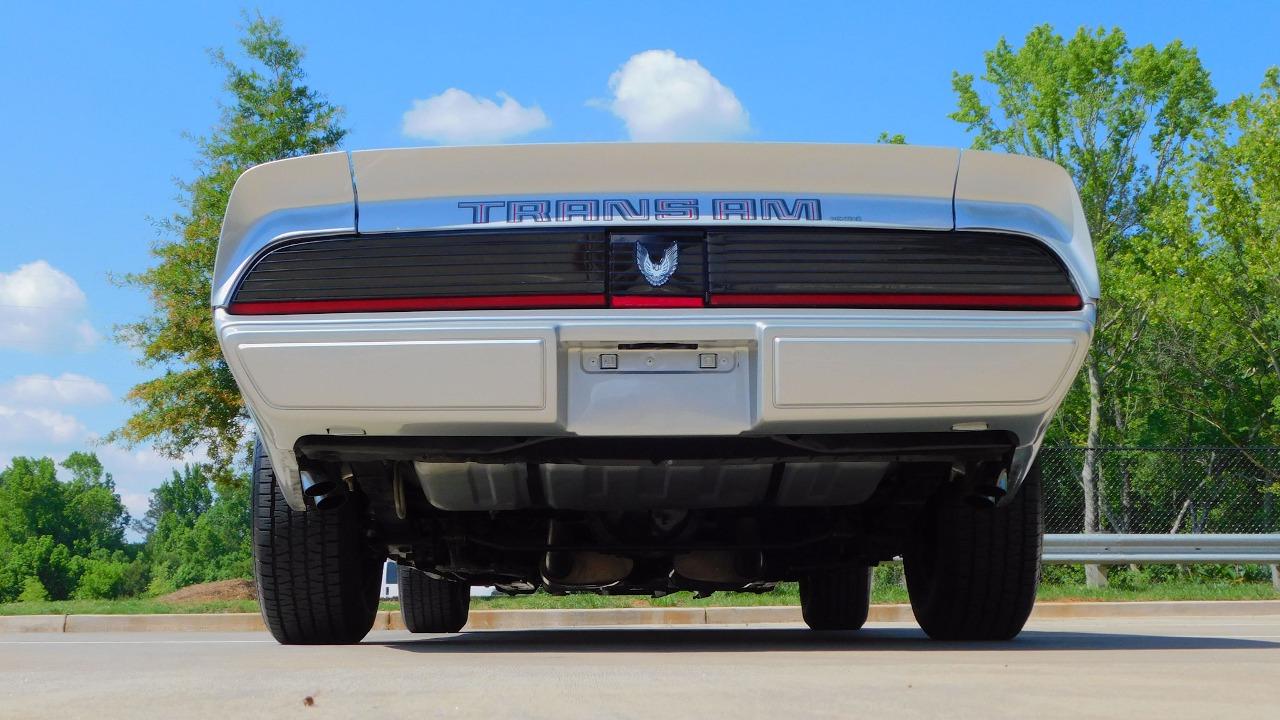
(1163, 490)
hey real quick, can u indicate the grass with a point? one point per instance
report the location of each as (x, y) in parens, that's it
(131, 606)
(1162, 591)
(785, 594)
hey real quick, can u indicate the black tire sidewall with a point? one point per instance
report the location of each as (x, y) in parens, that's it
(972, 573)
(318, 577)
(429, 605)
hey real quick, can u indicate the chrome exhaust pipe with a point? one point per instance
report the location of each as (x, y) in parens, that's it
(330, 501)
(325, 492)
(315, 484)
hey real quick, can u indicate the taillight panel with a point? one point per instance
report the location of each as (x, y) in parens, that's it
(677, 268)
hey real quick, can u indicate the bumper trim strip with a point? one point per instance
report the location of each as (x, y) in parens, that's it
(899, 301)
(593, 300)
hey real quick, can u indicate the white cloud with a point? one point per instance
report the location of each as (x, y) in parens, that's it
(662, 96)
(45, 390)
(456, 117)
(42, 309)
(22, 426)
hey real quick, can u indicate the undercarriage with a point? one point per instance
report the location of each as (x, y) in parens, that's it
(647, 515)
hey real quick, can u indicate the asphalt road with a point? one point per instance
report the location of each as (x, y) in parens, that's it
(1161, 668)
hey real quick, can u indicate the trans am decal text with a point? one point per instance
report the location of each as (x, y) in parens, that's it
(641, 209)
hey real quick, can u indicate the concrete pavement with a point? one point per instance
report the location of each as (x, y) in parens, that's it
(1077, 668)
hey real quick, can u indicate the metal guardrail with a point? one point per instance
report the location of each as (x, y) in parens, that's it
(1120, 549)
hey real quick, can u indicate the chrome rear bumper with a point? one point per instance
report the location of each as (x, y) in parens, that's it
(650, 372)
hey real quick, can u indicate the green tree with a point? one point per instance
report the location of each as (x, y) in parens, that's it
(1221, 357)
(105, 575)
(1120, 120)
(272, 114)
(53, 531)
(197, 534)
(186, 495)
(94, 515)
(33, 591)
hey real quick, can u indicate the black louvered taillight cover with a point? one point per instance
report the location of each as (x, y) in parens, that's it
(598, 267)
(834, 261)
(429, 265)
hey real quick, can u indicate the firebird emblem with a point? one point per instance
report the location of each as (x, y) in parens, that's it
(658, 274)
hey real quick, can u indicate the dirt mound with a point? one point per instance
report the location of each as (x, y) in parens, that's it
(220, 590)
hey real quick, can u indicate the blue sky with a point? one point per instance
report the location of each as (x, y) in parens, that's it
(97, 98)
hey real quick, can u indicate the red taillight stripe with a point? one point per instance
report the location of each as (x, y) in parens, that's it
(478, 302)
(655, 301)
(758, 300)
(900, 301)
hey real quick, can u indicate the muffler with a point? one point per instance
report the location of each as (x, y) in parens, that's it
(580, 568)
(719, 567)
(585, 569)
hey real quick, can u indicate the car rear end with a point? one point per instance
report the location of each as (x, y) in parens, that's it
(644, 368)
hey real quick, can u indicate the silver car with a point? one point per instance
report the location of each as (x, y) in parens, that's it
(648, 368)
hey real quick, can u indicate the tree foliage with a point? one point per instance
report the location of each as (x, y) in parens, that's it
(55, 533)
(65, 538)
(272, 114)
(1221, 352)
(197, 534)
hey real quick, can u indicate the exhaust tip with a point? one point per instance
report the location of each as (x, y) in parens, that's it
(986, 496)
(320, 489)
(330, 501)
(325, 492)
(315, 485)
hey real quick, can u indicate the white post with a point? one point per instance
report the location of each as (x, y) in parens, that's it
(1095, 576)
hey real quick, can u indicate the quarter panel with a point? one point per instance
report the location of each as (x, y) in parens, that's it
(997, 191)
(275, 200)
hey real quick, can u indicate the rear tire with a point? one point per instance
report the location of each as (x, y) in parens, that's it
(318, 578)
(972, 572)
(836, 599)
(429, 605)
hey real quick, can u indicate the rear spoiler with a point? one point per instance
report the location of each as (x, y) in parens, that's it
(637, 184)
